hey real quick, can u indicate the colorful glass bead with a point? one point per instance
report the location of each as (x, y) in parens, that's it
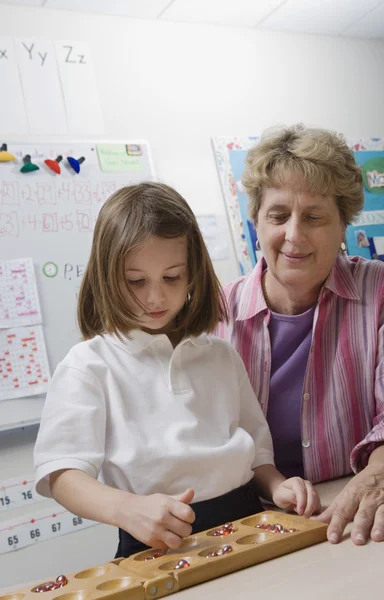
(156, 554)
(50, 585)
(225, 529)
(275, 528)
(182, 564)
(62, 580)
(227, 549)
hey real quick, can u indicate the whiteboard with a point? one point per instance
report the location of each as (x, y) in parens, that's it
(50, 218)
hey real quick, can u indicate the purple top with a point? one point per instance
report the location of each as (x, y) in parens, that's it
(291, 337)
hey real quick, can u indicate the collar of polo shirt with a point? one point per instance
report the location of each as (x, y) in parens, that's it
(137, 340)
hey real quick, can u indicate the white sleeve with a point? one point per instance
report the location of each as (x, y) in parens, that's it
(252, 418)
(72, 430)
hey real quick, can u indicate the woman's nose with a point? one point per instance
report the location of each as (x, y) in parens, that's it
(295, 231)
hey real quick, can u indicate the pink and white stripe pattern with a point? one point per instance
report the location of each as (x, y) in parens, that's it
(342, 414)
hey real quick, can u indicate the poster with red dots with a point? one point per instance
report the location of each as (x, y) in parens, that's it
(19, 300)
(24, 369)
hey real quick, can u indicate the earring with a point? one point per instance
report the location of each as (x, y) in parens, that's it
(258, 247)
(343, 247)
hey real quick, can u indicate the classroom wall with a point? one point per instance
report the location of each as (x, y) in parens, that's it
(177, 85)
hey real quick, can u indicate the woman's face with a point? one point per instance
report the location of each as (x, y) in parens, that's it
(299, 234)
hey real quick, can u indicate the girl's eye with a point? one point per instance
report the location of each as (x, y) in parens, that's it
(136, 281)
(313, 218)
(168, 278)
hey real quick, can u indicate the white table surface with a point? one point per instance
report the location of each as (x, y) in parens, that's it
(321, 572)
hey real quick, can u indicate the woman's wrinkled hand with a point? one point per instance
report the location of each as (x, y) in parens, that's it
(361, 501)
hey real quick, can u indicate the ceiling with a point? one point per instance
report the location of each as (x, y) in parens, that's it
(353, 18)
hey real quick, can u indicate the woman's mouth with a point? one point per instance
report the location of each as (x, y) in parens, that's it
(295, 258)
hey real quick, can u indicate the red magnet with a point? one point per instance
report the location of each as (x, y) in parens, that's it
(54, 164)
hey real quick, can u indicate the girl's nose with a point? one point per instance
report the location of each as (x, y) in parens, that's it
(155, 294)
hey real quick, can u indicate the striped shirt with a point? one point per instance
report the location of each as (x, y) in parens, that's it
(342, 407)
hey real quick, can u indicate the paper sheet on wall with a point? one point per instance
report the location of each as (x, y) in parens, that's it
(24, 367)
(121, 158)
(13, 118)
(79, 88)
(41, 86)
(213, 232)
(19, 300)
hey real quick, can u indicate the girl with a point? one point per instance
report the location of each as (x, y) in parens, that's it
(150, 424)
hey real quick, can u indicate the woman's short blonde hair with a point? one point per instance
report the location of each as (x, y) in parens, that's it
(125, 222)
(318, 158)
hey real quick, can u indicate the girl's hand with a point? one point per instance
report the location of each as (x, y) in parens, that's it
(158, 520)
(299, 495)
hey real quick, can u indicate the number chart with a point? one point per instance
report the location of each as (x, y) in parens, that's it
(38, 527)
(19, 301)
(23, 362)
(18, 491)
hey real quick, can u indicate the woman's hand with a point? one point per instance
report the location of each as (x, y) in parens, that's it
(158, 520)
(297, 494)
(361, 501)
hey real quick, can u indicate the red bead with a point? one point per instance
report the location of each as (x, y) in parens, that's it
(38, 589)
(62, 579)
(227, 549)
(182, 564)
(50, 585)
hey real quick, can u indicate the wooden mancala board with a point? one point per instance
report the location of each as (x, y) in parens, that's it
(154, 574)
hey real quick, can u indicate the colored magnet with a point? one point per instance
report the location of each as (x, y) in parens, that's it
(28, 166)
(6, 156)
(54, 164)
(75, 164)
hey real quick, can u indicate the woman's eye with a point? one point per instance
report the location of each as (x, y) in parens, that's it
(136, 281)
(168, 278)
(278, 217)
(313, 218)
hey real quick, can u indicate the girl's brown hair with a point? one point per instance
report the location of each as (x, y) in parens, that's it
(125, 222)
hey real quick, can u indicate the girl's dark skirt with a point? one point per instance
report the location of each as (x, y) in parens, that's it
(237, 504)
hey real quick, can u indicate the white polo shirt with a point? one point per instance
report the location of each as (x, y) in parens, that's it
(146, 418)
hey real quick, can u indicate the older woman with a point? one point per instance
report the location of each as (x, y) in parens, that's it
(309, 323)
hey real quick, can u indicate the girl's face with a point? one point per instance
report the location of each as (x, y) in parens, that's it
(157, 274)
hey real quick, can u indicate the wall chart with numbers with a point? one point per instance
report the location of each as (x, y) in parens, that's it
(50, 196)
(365, 237)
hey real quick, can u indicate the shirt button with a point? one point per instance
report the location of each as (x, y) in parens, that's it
(306, 396)
(305, 443)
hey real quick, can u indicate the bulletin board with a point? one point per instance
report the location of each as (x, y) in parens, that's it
(364, 237)
(46, 226)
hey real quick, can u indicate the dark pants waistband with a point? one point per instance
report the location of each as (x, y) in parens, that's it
(236, 504)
